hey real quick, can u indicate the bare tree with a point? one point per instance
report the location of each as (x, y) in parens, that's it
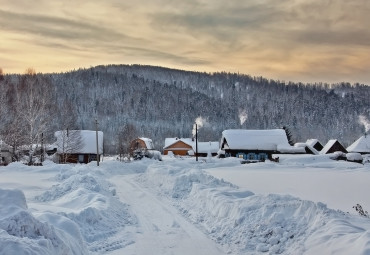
(126, 134)
(68, 142)
(35, 102)
(10, 123)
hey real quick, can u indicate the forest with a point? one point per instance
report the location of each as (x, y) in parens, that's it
(130, 101)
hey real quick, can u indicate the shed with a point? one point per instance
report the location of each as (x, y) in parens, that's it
(141, 143)
(256, 144)
(78, 146)
(333, 146)
(361, 145)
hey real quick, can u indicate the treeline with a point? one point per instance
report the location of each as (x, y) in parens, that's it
(157, 102)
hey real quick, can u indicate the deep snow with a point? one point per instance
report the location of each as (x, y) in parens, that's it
(179, 206)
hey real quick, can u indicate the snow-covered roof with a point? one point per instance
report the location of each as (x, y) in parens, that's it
(269, 140)
(205, 147)
(312, 142)
(361, 145)
(328, 146)
(170, 141)
(88, 142)
(148, 143)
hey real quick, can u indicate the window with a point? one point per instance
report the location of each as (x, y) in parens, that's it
(251, 156)
(80, 158)
(262, 156)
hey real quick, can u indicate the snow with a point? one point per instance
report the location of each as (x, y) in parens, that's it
(207, 147)
(148, 143)
(361, 145)
(354, 156)
(88, 141)
(312, 142)
(270, 140)
(301, 205)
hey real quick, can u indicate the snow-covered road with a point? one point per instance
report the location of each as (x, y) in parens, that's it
(160, 229)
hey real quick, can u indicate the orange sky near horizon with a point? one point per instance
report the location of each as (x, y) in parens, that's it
(295, 40)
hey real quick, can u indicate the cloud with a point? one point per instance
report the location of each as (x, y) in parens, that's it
(297, 40)
(57, 28)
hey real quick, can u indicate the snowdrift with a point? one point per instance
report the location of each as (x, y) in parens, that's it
(22, 233)
(80, 212)
(246, 223)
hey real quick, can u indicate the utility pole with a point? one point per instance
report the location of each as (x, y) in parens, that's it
(97, 143)
(196, 142)
(42, 148)
(1, 147)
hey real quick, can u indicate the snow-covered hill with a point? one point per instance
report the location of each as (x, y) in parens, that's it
(180, 206)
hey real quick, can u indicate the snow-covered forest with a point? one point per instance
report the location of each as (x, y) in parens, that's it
(157, 102)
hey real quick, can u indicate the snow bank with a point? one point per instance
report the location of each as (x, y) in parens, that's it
(22, 233)
(83, 196)
(246, 223)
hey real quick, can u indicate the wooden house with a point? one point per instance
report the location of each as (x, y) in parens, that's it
(256, 144)
(178, 146)
(79, 146)
(141, 143)
(361, 145)
(333, 146)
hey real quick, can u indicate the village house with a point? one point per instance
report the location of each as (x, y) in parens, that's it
(188, 146)
(256, 144)
(178, 146)
(78, 146)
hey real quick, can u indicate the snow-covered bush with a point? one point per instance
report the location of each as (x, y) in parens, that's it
(354, 157)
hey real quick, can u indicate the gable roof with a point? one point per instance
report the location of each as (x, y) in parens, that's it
(361, 145)
(330, 144)
(313, 142)
(268, 140)
(171, 141)
(308, 148)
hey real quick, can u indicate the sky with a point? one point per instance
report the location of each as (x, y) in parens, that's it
(288, 40)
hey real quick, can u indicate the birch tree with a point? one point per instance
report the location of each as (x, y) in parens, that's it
(68, 142)
(36, 108)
